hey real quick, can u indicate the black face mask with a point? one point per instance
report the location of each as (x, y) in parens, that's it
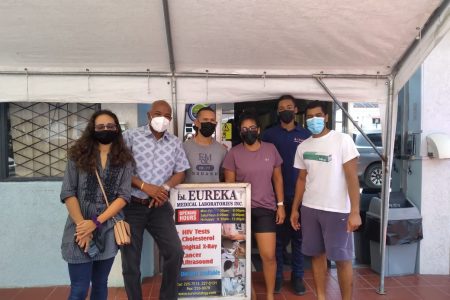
(286, 116)
(106, 136)
(249, 137)
(207, 128)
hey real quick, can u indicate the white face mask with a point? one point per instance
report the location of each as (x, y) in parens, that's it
(159, 124)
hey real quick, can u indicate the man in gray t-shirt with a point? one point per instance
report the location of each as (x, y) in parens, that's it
(205, 154)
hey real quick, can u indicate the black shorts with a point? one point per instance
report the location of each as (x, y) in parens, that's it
(263, 220)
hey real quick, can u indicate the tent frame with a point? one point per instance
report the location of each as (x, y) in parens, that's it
(387, 152)
(173, 75)
(386, 157)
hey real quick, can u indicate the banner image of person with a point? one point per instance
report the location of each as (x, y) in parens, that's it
(213, 221)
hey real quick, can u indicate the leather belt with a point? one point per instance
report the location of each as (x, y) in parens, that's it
(145, 202)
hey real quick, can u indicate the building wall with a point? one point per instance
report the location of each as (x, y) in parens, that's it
(32, 220)
(435, 205)
(126, 112)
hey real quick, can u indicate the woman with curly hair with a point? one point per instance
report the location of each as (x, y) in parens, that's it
(88, 243)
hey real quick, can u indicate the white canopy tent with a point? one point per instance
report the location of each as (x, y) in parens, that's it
(57, 41)
(217, 51)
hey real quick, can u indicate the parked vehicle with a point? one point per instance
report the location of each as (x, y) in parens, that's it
(370, 171)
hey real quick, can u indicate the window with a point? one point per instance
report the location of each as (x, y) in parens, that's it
(374, 137)
(39, 135)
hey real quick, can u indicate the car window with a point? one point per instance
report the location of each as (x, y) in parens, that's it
(374, 137)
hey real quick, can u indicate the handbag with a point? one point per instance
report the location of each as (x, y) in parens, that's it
(122, 232)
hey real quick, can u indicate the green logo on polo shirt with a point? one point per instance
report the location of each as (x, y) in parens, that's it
(317, 156)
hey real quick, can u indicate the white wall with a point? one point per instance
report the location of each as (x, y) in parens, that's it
(126, 112)
(435, 206)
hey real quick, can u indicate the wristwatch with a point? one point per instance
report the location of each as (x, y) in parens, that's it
(281, 203)
(166, 187)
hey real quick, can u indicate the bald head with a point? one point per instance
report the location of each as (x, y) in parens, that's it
(160, 108)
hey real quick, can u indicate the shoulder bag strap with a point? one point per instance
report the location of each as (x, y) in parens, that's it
(101, 187)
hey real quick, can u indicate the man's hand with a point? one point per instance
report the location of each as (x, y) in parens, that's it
(281, 215)
(354, 221)
(158, 194)
(156, 203)
(294, 220)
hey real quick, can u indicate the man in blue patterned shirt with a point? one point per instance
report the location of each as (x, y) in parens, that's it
(160, 165)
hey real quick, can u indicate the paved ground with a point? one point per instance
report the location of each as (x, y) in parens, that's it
(427, 287)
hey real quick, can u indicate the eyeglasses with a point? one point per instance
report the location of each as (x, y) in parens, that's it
(252, 128)
(109, 126)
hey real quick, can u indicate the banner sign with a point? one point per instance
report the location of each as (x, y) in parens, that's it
(213, 222)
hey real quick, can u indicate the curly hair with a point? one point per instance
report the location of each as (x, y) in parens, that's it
(85, 150)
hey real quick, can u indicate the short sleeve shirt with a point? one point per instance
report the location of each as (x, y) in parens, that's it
(256, 168)
(323, 159)
(156, 160)
(286, 143)
(205, 160)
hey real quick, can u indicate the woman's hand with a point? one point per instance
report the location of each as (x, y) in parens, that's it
(281, 214)
(85, 228)
(84, 243)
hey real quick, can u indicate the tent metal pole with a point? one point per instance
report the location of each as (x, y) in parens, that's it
(91, 73)
(173, 80)
(280, 76)
(173, 84)
(169, 35)
(319, 80)
(385, 188)
(189, 74)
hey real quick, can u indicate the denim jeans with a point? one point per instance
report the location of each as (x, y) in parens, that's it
(286, 234)
(81, 275)
(160, 224)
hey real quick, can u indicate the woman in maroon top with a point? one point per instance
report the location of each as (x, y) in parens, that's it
(259, 164)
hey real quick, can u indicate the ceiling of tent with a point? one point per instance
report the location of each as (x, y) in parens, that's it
(73, 35)
(229, 36)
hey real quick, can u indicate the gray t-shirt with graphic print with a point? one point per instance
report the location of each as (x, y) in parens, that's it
(205, 161)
